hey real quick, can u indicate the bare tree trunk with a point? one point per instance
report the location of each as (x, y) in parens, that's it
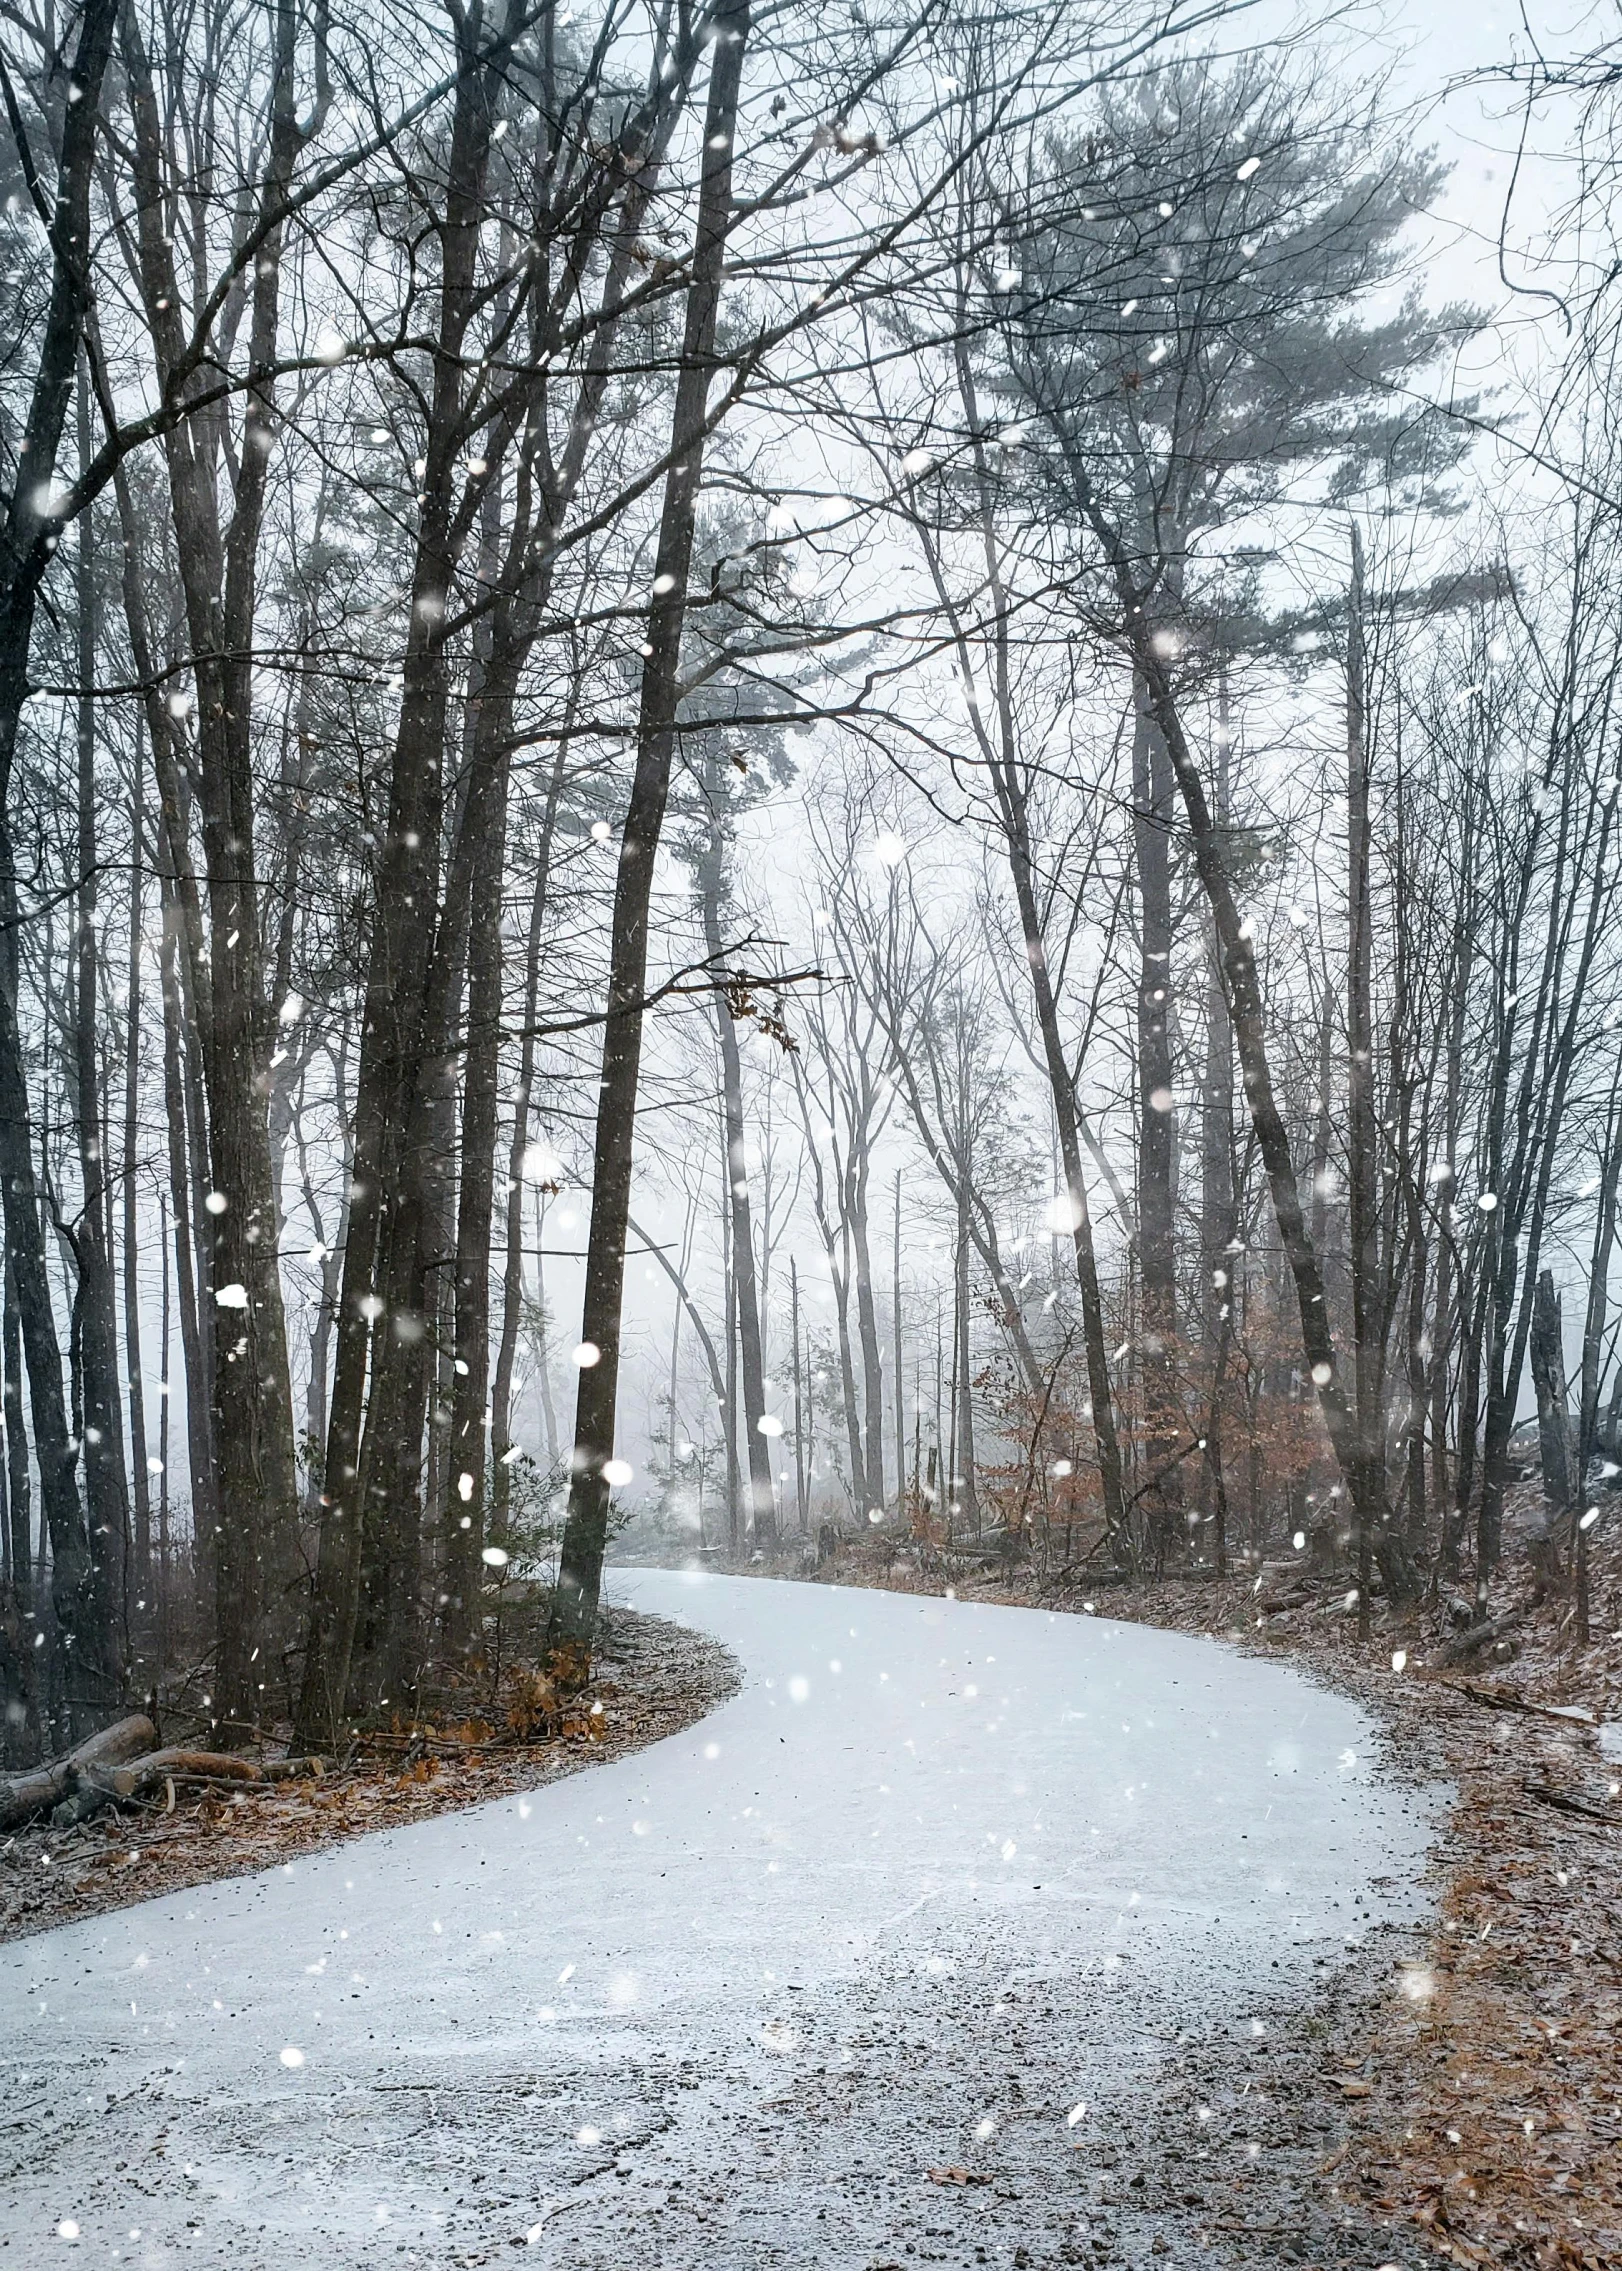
(801, 1500)
(1153, 795)
(1272, 1140)
(1367, 1486)
(96, 1307)
(895, 1344)
(372, 1509)
(729, 1325)
(1217, 1223)
(512, 1273)
(28, 537)
(963, 1481)
(253, 1413)
(22, 1741)
(867, 1333)
(132, 1290)
(1250, 1032)
(1014, 813)
(1549, 1381)
(574, 1610)
(1599, 1276)
(712, 895)
(190, 1265)
(485, 820)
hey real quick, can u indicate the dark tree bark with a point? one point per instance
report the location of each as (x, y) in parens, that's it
(712, 881)
(1217, 1196)
(252, 1394)
(28, 533)
(381, 1321)
(1549, 1382)
(1001, 752)
(801, 1501)
(95, 1300)
(574, 1611)
(1153, 802)
(140, 1476)
(1367, 1486)
(191, 1260)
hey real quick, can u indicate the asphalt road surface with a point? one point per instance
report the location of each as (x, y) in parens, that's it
(1019, 1899)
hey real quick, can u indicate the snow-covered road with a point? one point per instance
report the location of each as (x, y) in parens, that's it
(938, 1876)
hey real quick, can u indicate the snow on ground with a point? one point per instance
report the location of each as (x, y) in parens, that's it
(942, 1887)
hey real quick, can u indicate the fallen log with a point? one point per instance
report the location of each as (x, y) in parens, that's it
(24, 1795)
(100, 1785)
(1482, 1636)
(156, 1767)
(1282, 1585)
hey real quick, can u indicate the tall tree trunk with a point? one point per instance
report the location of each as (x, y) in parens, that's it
(801, 1501)
(96, 1306)
(1599, 1278)
(1153, 798)
(574, 1610)
(191, 1272)
(1368, 1338)
(963, 1482)
(252, 1391)
(29, 530)
(712, 898)
(140, 1474)
(381, 1324)
(19, 1692)
(895, 1344)
(867, 1329)
(512, 1269)
(1013, 804)
(1249, 1024)
(1549, 1382)
(1272, 1140)
(485, 820)
(1061, 1088)
(1217, 1222)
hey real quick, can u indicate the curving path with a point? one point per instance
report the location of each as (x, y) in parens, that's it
(939, 1876)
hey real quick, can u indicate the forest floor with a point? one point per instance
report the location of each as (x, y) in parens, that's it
(1466, 2094)
(651, 1678)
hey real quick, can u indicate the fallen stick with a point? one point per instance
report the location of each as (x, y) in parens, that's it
(1572, 1805)
(1573, 1714)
